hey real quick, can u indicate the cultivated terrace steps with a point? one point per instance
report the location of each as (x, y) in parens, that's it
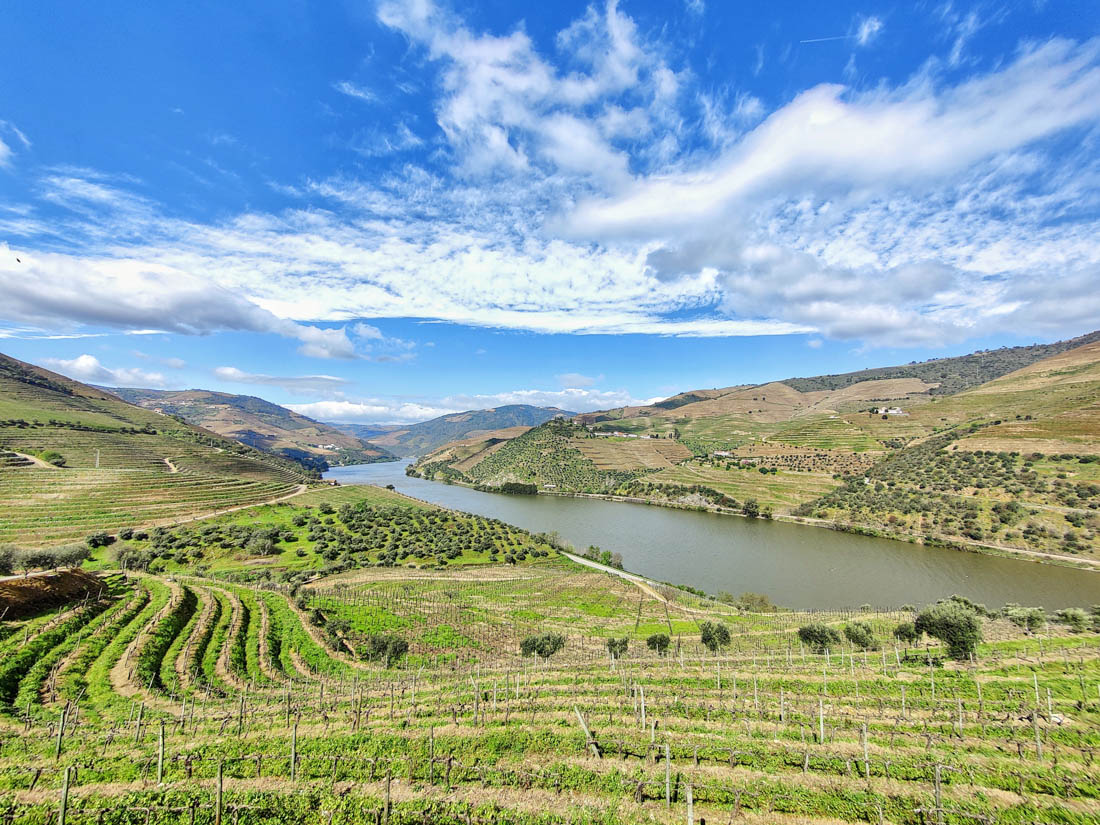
(201, 701)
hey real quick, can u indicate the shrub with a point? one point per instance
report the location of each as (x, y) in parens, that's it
(907, 633)
(658, 642)
(544, 645)
(953, 623)
(386, 647)
(1075, 618)
(819, 637)
(861, 635)
(1031, 619)
(714, 636)
(100, 539)
(617, 647)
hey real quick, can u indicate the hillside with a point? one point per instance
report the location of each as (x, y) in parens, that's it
(423, 438)
(1009, 465)
(450, 669)
(75, 459)
(260, 424)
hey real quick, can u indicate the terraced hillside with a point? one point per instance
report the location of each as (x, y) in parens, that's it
(1008, 465)
(198, 700)
(76, 460)
(260, 424)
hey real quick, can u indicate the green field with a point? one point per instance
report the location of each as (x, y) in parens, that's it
(172, 699)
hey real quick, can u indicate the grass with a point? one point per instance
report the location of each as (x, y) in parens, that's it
(465, 727)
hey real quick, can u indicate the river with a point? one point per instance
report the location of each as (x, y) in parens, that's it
(796, 565)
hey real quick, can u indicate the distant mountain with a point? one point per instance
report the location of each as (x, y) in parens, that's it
(418, 439)
(260, 424)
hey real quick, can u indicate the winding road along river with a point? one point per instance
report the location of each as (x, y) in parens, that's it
(796, 565)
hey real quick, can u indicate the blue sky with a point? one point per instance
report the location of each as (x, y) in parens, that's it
(386, 211)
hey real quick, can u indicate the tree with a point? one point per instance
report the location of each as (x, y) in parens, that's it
(617, 647)
(861, 635)
(819, 637)
(658, 642)
(100, 539)
(751, 508)
(386, 647)
(714, 636)
(906, 633)
(953, 623)
(544, 645)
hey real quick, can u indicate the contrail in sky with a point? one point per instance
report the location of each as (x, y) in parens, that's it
(827, 39)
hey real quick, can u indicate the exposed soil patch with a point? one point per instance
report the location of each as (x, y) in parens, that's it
(33, 594)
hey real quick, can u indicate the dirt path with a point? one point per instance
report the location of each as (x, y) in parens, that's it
(48, 691)
(167, 522)
(38, 462)
(183, 672)
(267, 667)
(221, 664)
(172, 468)
(643, 584)
(122, 674)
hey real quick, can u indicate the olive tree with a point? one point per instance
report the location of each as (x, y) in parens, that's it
(544, 645)
(714, 636)
(617, 647)
(955, 624)
(861, 635)
(819, 636)
(658, 642)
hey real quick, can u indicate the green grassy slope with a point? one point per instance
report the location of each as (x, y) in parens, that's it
(119, 464)
(172, 699)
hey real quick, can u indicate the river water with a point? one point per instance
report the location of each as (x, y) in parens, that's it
(796, 565)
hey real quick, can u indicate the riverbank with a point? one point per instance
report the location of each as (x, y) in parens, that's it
(794, 566)
(953, 543)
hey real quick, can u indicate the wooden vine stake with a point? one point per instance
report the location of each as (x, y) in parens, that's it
(587, 734)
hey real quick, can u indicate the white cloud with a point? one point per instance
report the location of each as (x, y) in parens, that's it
(407, 411)
(370, 411)
(346, 87)
(595, 187)
(6, 152)
(868, 30)
(130, 293)
(291, 383)
(575, 379)
(87, 368)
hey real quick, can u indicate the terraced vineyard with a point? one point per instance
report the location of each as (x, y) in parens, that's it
(112, 464)
(196, 700)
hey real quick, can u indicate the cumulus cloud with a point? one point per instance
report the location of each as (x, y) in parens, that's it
(87, 368)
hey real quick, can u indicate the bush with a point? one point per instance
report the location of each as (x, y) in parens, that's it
(953, 623)
(544, 645)
(1031, 619)
(1075, 618)
(617, 647)
(714, 636)
(907, 633)
(819, 637)
(386, 647)
(100, 539)
(658, 642)
(861, 635)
